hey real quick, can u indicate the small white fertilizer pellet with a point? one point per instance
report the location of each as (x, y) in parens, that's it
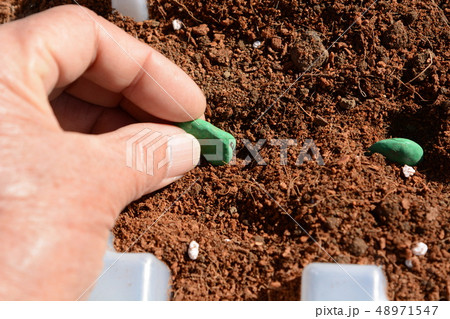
(408, 171)
(408, 263)
(193, 250)
(177, 24)
(419, 249)
(256, 44)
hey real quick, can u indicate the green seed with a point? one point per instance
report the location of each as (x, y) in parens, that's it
(399, 150)
(208, 135)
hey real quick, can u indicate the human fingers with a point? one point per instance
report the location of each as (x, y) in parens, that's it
(79, 116)
(77, 43)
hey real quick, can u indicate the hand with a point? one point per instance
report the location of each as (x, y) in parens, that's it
(61, 188)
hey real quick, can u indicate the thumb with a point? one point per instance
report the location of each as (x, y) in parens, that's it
(145, 157)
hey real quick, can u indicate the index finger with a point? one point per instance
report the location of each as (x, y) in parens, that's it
(53, 48)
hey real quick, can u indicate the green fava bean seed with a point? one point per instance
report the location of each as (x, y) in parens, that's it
(399, 150)
(217, 146)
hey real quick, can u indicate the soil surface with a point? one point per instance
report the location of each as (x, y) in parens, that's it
(258, 226)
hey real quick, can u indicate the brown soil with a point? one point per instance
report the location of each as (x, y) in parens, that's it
(387, 77)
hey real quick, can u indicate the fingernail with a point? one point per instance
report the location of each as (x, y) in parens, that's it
(185, 154)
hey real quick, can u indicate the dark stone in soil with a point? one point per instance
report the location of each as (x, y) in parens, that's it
(309, 51)
(358, 247)
(276, 44)
(333, 222)
(396, 36)
(388, 211)
(347, 104)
